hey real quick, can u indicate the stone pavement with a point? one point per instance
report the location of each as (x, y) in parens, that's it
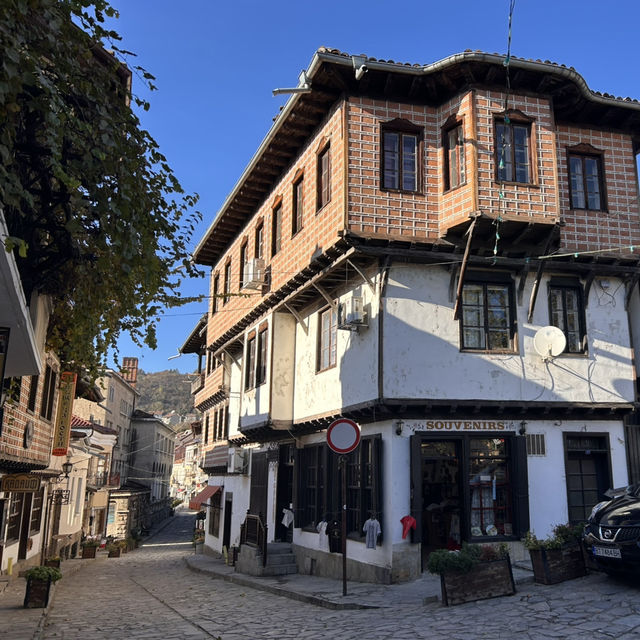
(155, 593)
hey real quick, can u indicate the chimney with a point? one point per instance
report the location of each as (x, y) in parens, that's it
(129, 370)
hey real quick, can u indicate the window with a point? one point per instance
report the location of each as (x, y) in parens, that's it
(319, 482)
(214, 514)
(226, 423)
(487, 317)
(36, 512)
(297, 205)
(14, 517)
(215, 293)
(227, 282)
(243, 262)
(314, 501)
(259, 248)
(261, 365)
(33, 393)
(585, 172)
(48, 393)
(363, 483)
(490, 487)
(400, 155)
(276, 229)
(327, 338)
(513, 156)
(249, 379)
(324, 177)
(566, 312)
(455, 171)
(206, 429)
(111, 393)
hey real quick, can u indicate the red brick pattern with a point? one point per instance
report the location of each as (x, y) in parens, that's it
(619, 225)
(16, 416)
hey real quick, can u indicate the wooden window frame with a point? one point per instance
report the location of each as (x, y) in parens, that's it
(276, 227)
(215, 510)
(513, 119)
(331, 348)
(48, 393)
(402, 127)
(485, 280)
(227, 282)
(564, 285)
(243, 262)
(323, 177)
(258, 245)
(452, 125)
(250, 370)
(297, 204)
(33, 393)
(583, 152)
(261, 356)
(216, 292)
(36, 511)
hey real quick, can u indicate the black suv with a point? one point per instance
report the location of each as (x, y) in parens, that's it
(612, 532)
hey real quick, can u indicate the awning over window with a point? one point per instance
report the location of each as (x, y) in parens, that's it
(203, 496)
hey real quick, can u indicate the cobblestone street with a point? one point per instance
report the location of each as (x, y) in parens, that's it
(151, 593)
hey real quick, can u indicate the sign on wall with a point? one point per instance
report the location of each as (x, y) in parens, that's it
(20, 483)
(62, 430)
(453, 426)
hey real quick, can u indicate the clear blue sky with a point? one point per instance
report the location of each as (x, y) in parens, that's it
(217, 62)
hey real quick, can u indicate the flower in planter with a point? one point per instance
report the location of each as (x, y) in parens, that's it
(91, 542)
(466, 558)
(43, 573)
(558, 557)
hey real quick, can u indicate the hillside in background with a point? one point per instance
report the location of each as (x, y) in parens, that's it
(165, 391)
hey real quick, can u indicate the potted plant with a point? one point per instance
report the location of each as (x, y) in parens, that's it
(114, 550)
(39, 581)
(89, 547)
(558, 557)
(472, 573)
(198, 540)
(53, 562)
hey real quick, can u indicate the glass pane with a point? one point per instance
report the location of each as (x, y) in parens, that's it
(577, 183)
(497, 296)
(472, 294)
(499, 340)
(409, 162)
(473, 338)
(497, 319)
(503, 152)
(391, 161)
(472, 317)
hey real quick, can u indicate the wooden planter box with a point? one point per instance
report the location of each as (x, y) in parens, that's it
(89, 552)
(37, 594)
(115, 553)
(551, 566)
(52, 563)
(485, 580)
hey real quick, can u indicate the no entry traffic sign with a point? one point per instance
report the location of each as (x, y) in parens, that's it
(343, 436)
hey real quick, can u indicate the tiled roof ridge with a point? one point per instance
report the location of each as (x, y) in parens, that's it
(559, 65)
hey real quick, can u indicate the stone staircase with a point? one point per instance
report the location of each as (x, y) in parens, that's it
(280, 560)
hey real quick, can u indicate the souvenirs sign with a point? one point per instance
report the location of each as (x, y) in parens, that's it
(62, 430)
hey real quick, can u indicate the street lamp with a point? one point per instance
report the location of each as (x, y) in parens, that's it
(66, 468)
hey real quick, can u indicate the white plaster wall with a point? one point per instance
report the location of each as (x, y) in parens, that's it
(235, 395)
(254, 403)
(422, 358)
(634, 322)
(280, 376)
(547, 474)
(353, 380)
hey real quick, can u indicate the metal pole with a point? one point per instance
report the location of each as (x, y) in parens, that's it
(343, 464)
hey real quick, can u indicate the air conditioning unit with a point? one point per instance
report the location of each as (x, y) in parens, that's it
(239, 461)
(253, 276)
(351, 315)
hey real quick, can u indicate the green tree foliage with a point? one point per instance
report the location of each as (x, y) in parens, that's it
(165, 391)
(96, 217)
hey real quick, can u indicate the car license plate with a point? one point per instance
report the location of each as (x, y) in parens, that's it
(607, 552)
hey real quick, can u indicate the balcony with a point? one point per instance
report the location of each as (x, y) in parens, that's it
(197, 384)
(97, 480)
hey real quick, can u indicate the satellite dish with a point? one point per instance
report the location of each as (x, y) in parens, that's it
(549, 342)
